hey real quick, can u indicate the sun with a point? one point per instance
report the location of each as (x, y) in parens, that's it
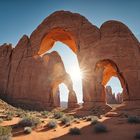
(75, 73)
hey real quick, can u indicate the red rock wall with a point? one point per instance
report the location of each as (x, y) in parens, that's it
(5, 60)
(112, 41)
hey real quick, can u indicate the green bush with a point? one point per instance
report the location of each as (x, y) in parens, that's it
(58, 115)
(133, 119)
(52, 124)
(100, 128)
(5, 133)
(27, 130)
(137, 136)
(75, 131)
(29, 121)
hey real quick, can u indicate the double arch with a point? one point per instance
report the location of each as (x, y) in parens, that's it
(92, 45)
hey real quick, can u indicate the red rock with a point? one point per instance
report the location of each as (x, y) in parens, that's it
(111, 50)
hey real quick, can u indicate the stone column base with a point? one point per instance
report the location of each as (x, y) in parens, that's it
(73, 105)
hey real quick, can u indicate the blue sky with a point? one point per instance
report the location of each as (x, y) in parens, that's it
(19, 17)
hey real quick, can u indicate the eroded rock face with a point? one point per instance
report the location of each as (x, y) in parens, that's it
(24, 74)
(32, 81)
(5, 60)
(110, 97)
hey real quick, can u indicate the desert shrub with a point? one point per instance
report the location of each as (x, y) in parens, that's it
(71, 117)
(76, 120)
(91, 118)
(84, 118)
(1, 120)
(21, 114)
(27, 130)
(5, 133)
(88, 118)
(137, 136)
(45, 113)
(29, 121)
(52, 124)
(75, 131)
(133, 119)
(65, 120)
(68, 124)
(11, 113)
(100, 128)
(9, 118)
(93, 122)
(58, 115)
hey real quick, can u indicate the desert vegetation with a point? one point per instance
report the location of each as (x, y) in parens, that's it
(100, 128)
(133, 119)
(30, 122)
(5, 133)
(52, 124)
(75, 131)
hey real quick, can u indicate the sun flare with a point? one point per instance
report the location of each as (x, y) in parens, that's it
(75, 74)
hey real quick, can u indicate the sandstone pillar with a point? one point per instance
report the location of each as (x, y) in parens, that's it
(72, 100)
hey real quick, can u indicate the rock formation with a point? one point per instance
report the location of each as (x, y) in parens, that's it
(119, 98)
(33, 81)
(110, 97)
(111, 50)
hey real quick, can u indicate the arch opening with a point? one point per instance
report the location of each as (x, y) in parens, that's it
(63, 42)
(114, 89)
(63, 95)
(57, 34)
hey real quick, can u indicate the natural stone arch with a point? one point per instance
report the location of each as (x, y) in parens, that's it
(57, 34)
(113, 41)
(76, 27)
(104, 70)
(72, 99)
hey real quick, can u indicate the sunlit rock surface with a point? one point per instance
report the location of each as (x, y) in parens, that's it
(111, 50)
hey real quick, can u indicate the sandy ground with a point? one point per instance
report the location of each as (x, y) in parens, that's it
(118, 129)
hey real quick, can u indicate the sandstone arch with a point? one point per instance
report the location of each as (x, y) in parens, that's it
(23, 69)
(67, 24)
(72, 99)
(104, 70)
(54, 35)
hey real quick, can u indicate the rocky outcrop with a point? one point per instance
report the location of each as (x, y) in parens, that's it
(119, 98)
(5, 67)
(32, 82)
(111, 50)
(111, 98)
